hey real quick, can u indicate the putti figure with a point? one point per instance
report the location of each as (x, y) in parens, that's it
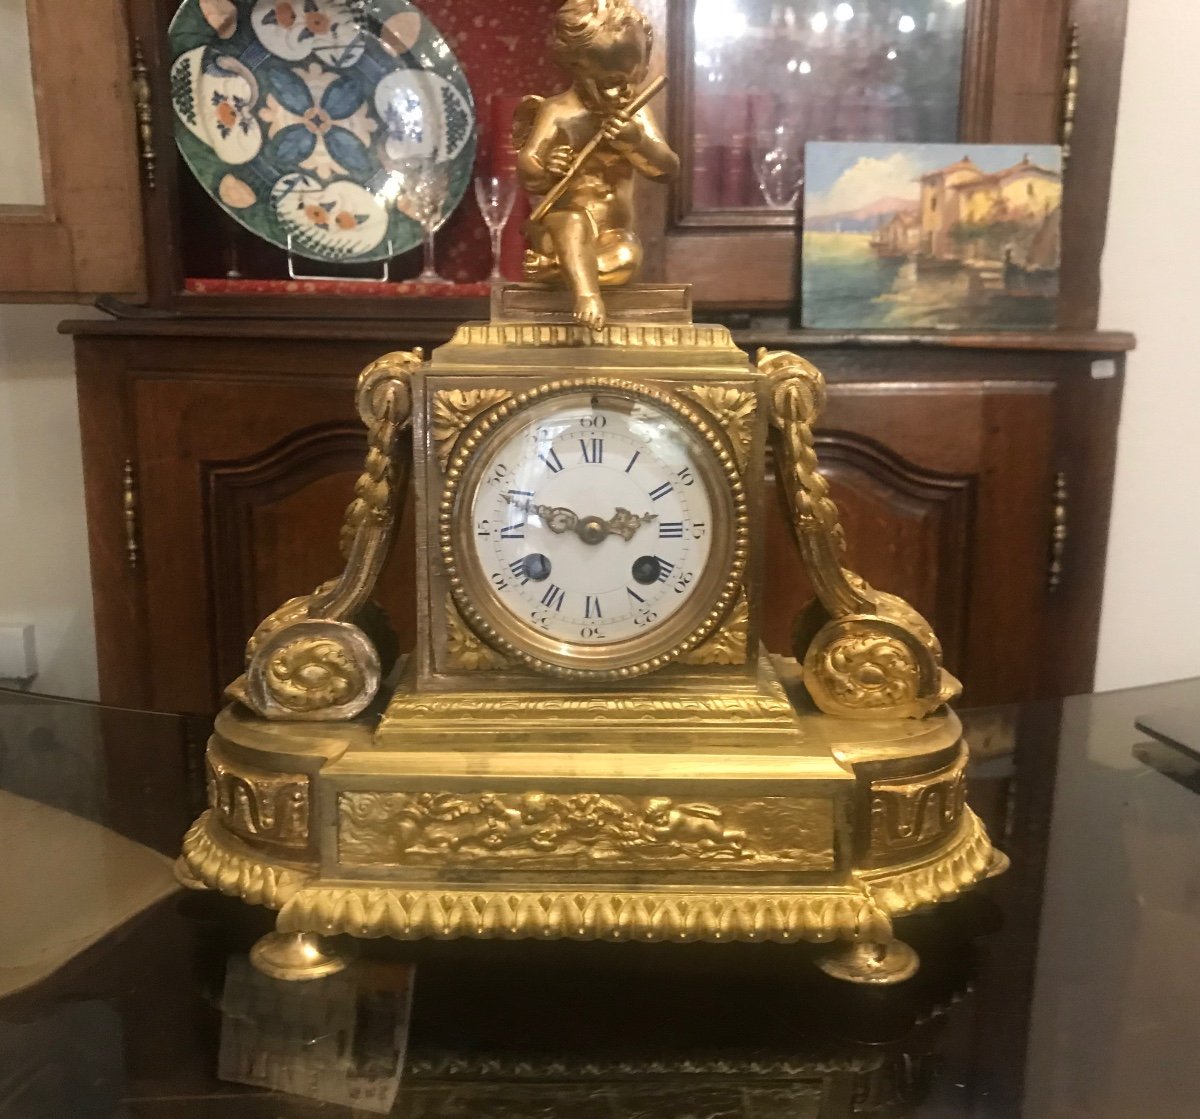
(580, 149)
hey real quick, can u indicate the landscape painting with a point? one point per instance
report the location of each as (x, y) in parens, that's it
(931, 236)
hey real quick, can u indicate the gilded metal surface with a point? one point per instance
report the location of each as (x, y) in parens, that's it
(716, 589)
(213, 857)
(453, 410)
(143, 108)
(309, 659)
(313, 668)
(464, 651)
(257, 803)
(1070, 93)
(537, 831)
(129, 514)
(598, 708)
(729, 644)
(296, 956)
(874, 656)
(582, 911)
(580, 149)
(918, 811)
(734, 411)
(640, 336)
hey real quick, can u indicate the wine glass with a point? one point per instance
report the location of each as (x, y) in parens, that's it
(423, 187)
(779, 168)
(495, 195)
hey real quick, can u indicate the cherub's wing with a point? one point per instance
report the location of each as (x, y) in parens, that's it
(523, 119)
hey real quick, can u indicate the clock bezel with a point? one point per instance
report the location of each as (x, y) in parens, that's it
(717, 589)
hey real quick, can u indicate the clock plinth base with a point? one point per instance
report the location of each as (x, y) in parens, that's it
(636, 303)
(661, 827)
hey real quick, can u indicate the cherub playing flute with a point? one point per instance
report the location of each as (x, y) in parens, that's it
(580, 149)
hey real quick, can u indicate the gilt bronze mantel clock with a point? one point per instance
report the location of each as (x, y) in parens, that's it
(588, 740)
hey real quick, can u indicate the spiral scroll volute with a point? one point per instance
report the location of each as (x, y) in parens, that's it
(866, 654)
(318, 657)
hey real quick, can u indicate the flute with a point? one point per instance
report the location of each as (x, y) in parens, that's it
(560, 187)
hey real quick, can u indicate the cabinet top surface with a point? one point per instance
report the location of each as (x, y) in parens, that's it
(441, 326)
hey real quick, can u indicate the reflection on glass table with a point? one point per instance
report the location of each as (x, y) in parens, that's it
(1069, 987)
(822, 70)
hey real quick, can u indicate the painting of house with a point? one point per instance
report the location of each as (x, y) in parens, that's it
(924, 236)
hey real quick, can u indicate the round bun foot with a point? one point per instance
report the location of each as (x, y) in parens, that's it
(296, 956)
(864, 961)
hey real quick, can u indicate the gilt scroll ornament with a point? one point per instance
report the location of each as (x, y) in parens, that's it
(312, 659)
(866, 654)
(464, 651)
(257, 804)
(453, 411)
(733, 409)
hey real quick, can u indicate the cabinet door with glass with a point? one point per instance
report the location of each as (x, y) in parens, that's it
(70, 219)
(754, 80)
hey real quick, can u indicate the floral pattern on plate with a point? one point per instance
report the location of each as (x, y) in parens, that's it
(295, 114)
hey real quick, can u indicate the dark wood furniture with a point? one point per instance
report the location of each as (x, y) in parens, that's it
(219, 458)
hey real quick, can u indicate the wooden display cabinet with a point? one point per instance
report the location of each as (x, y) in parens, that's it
(220, 457)
(974, 471)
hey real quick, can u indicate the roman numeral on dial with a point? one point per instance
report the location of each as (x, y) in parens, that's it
(550, 457)
(591, 606)
(661, 491)
(513, 532)
(592, 450)
(553, 598)
(670, 530)
(664, 569)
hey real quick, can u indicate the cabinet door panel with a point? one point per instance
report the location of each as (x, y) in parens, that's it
(944, 491)
(262, 475)
(272, 523)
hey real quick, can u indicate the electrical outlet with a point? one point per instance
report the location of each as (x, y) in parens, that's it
(18, 654)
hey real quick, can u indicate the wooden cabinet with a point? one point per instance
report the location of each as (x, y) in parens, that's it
(70, 226)
(219, 459)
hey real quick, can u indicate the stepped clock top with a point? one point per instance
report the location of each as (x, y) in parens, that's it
(579, 149)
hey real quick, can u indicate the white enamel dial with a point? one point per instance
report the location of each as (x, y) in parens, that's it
(595, 520)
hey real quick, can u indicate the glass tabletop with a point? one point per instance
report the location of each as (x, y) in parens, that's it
(1063, 989)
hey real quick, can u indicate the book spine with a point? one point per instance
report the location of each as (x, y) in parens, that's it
(708, 153)
(736, 179)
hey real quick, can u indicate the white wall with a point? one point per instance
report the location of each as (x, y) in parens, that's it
(1152, 286)
(44, 575)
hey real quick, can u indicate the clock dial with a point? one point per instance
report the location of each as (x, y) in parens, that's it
(597, 526)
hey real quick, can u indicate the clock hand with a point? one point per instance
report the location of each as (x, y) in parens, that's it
(625, 524)
(555, 517)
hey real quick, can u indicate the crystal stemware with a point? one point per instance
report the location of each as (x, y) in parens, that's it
(495, 195)
(423, 188)
(779, 168)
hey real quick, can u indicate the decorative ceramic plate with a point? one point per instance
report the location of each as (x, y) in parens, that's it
(308, 119)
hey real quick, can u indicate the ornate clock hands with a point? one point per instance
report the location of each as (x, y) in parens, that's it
(625, 524)
(556, 518)
(591, 530)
